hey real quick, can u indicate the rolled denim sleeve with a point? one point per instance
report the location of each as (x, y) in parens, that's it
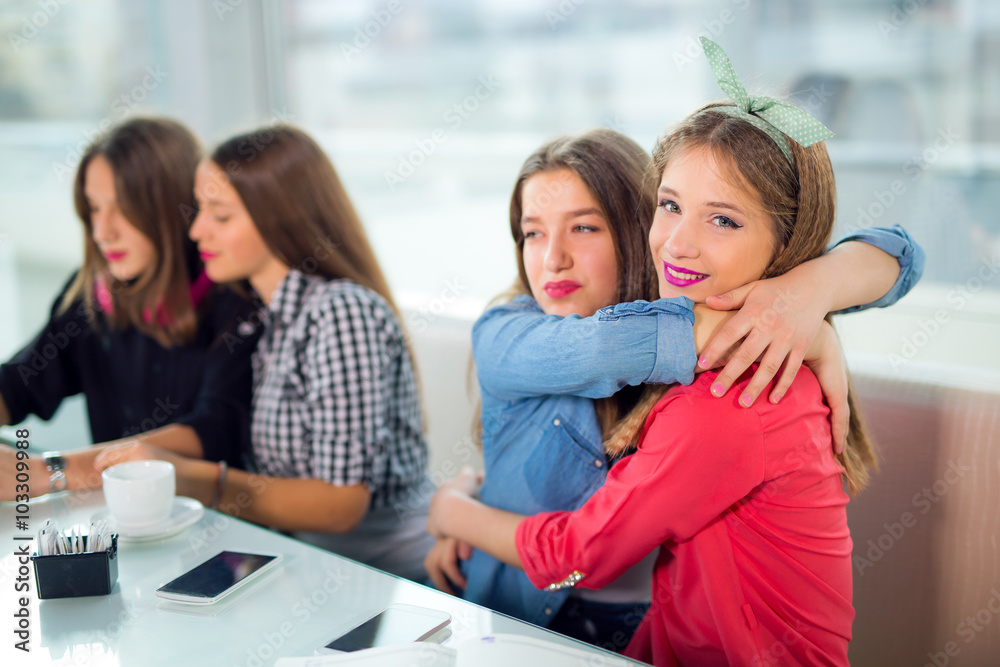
(675, 352)
(895, 241)
(522, 352)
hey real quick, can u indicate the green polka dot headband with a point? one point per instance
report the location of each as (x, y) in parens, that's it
(777, 119)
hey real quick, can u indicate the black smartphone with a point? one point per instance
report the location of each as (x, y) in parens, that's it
(217, 577)
(396, 624)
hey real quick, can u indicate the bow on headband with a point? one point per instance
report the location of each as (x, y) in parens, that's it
(777, 119)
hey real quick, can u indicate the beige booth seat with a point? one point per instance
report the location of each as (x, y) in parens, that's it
(927, 531)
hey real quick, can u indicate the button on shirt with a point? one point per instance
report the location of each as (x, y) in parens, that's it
(335, 397)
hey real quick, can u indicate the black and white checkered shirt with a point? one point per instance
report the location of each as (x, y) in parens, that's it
(335, 397)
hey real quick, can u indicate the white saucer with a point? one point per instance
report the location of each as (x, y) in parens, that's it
(185, 512)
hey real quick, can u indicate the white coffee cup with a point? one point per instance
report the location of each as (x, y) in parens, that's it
(139, 494)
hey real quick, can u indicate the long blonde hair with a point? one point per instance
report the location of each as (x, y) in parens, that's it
(800, 198)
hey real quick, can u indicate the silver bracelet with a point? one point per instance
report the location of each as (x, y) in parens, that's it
(56, 465)
(572, 580)
(219, 484)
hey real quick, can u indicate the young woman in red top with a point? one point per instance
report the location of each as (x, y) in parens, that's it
(747, 505)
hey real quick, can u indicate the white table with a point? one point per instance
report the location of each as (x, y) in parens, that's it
(309, 599)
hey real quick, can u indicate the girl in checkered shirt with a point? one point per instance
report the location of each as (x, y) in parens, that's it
(337, 436)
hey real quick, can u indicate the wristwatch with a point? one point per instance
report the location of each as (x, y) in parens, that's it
(57, 475)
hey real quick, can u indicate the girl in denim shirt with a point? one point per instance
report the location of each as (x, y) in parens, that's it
(559, 365)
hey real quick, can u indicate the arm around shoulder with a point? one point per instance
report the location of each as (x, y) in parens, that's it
(883, 263)
(522, 352)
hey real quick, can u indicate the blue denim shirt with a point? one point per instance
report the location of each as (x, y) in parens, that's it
(542, 445)
(538, 376)
(896, 242)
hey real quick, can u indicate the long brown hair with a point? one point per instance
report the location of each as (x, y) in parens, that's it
(614, 169)
(800, 199)
(295, 199)
(153, 161)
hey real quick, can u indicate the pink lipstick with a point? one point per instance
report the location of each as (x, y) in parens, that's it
(205, 256)
(115, 256)
(681, 277)
(561, 288)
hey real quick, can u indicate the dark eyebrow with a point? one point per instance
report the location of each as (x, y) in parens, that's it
(572, 214)
(713, 204)
(585, 211)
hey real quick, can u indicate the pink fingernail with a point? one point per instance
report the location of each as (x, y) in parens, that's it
(703, 362)
(746, 400)
(718, 389)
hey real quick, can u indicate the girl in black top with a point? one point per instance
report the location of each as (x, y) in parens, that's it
(140, 330)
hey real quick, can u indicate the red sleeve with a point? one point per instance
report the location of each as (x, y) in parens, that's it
(698, 455)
